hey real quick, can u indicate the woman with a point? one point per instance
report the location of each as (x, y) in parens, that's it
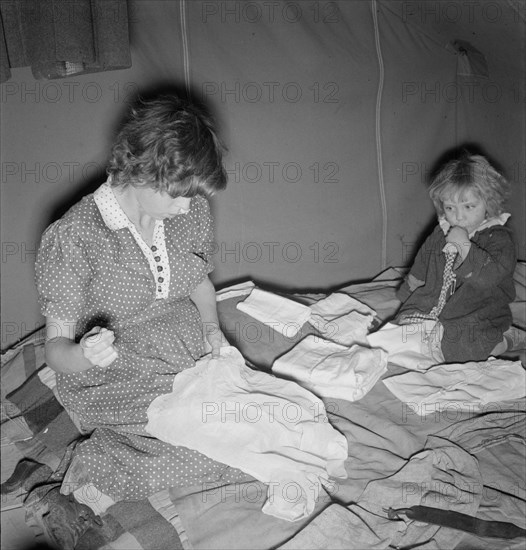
(123, 283)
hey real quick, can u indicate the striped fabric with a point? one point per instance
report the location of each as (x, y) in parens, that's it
(449, 280)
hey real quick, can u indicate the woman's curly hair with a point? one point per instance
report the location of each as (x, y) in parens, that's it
(171, 146)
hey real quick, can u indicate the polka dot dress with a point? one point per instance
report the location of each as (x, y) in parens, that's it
(94, 269)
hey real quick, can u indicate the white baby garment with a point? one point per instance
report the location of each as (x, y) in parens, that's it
(283, 315)
(331, 370)
(272, 429)
(455, 387)
(414, 346)
(342, 319)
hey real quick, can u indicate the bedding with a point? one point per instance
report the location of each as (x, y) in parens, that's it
(465, 459)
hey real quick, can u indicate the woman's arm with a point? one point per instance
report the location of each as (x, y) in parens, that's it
(64, 355)
(204, 297)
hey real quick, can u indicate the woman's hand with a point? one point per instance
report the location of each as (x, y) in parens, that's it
(204, 297)
(97, 347)
(214, 339)
(65, 355)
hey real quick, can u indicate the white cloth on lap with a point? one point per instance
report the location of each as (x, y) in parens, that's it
(460, 386)
(331, 370)
(272, 429)
(281, 314)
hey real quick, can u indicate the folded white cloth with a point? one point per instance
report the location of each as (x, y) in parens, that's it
(272, 429)
(459, 387)
(338, 304)
(342, 319)
(349, 329)
(48, 378)
(415, 346)
(331, 370)
(281, 314)
(241, 289)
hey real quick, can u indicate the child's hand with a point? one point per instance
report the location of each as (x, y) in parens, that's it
(97, 347)
(459, 237)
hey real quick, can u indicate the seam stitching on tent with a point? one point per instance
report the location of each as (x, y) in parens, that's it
(186, 56)
(379, 93)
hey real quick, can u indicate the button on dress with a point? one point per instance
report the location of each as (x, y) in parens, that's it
(94, 269)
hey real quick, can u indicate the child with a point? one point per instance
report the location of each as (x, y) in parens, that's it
(462, 277)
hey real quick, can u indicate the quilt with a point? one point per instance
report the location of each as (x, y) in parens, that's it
(465, 459)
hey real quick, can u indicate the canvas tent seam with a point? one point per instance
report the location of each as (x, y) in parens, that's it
(186, 55)
(378, 108)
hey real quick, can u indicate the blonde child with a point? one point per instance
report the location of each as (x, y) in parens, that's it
(455, 299)
(469, 297)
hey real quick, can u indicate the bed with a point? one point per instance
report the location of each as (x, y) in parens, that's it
(467, 458)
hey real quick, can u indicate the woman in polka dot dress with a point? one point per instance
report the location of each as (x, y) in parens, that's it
(123, 283)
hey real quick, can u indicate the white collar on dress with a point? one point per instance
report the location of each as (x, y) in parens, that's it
(496, 220)
(110, 209)
(115, 218)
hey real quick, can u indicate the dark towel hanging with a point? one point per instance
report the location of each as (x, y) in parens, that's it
(59, 38)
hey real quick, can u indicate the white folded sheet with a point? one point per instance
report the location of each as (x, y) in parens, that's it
(414, 346)
(342, 319)
(283, 315)
(331, 370)
(337, 304)
(460, 386)
(241, 289)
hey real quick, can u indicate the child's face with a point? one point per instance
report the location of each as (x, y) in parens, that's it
(466, 210)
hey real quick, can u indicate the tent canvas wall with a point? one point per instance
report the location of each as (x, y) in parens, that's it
(333, 112)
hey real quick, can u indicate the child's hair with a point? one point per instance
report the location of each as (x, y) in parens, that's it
(470, 173)
(169, 145)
